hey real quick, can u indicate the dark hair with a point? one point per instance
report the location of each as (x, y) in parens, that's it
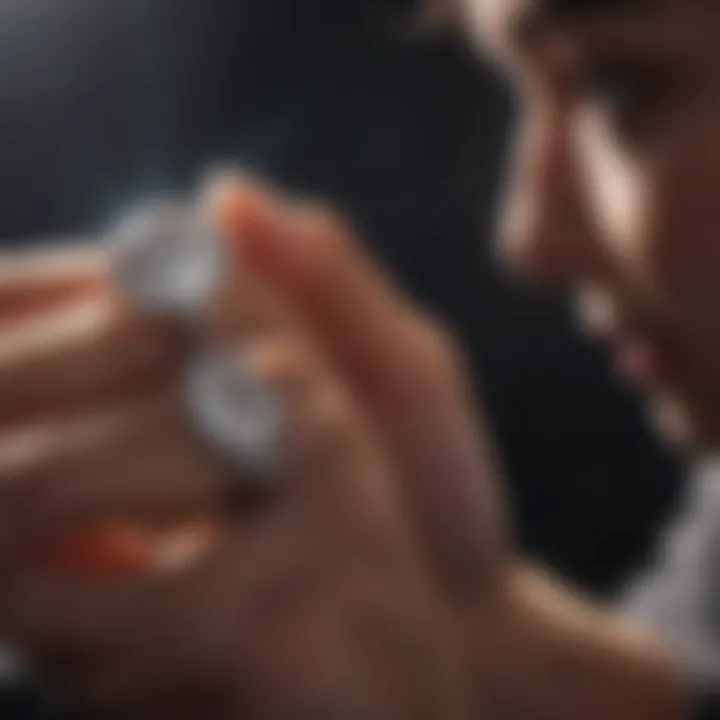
(554, 10)
(421, 18)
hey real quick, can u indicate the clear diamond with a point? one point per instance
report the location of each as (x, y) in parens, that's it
(240, 413)
(166, 262)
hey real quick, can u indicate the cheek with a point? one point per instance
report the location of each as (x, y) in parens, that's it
(681, 234)
(660, 221)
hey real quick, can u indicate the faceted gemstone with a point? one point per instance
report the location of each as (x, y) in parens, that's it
(172, 266)
(167, 262)
(239, 413)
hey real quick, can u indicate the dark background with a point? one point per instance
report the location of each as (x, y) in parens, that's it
(103, 102)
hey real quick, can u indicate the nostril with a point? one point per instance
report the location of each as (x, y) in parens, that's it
(546, 237)
(535, 254)
(520, 247)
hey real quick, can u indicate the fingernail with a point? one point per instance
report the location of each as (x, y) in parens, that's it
(213, 187)
(230, 189)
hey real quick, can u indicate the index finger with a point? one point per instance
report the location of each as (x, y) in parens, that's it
(32, 280)
(403, 367)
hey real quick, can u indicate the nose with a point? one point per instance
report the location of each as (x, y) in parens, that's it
(546, 228)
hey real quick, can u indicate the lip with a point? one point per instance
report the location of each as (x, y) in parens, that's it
(643, 349)
(644, 359)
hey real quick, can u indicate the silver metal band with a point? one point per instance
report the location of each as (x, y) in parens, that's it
(240, 415)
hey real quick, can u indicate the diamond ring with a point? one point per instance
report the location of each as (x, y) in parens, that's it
(170, 266)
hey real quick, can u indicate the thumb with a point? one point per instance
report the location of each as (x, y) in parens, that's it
(246, 305)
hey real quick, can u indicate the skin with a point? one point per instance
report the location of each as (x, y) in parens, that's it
(320, 601)
(377, 581)
(616, 190)
(389, 509)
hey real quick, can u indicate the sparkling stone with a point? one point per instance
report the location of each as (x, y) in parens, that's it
(167, 262)
(171, 266)
(238, 412)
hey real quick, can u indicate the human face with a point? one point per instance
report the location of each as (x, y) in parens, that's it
(617, 186)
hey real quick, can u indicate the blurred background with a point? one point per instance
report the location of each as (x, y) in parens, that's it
(104, 102)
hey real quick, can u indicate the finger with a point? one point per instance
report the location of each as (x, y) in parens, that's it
(329, 445)
(371, 329)
(404, 367)
(335, 481)
(33, 281)
(104, 646)
(412, 375)
(129, 637)
(116, 648)
(140, 460)
(78, 354)
(48, 614)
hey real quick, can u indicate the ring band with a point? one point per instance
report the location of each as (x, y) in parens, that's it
(242, 416)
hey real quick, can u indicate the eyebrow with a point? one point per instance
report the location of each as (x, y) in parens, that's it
(540, 15)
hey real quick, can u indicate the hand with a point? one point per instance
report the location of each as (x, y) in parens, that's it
(404, 368)
(530, 647)
(319, 601)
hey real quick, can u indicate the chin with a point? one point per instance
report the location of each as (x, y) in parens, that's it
(691, 430)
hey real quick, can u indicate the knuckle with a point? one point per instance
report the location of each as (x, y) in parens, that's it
(325, 422)
(27, 464)
(23, 462)
(287, 362)
(43, 468)
(331, 421)
(147, 343)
